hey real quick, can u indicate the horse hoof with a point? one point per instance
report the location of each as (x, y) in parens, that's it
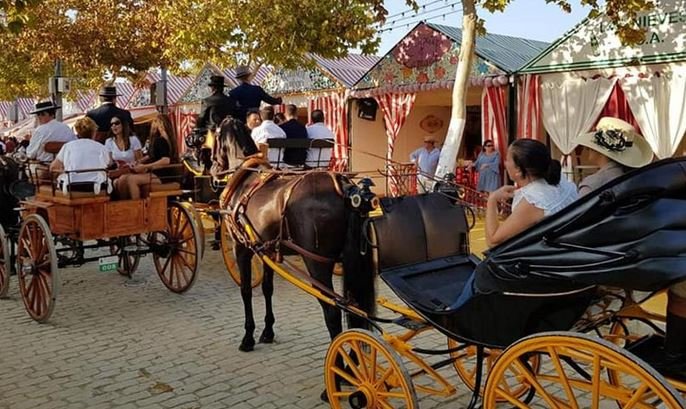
(246, 348)
(267, 338)
(324, 397)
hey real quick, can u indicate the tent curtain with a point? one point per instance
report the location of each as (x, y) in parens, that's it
(570, 108)
(494, 117)
(659, 105)
(396, 108)
(335, 108)
(618, 107)
(529, 108)
(183, 123)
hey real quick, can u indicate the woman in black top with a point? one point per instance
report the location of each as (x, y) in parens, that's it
(161, 152)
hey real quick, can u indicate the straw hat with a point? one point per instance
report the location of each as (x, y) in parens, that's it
(429, 138)
(619, 141)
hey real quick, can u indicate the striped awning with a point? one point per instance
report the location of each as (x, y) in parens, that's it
(347, 70)
(176, 86)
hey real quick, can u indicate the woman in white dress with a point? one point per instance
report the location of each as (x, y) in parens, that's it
(540, 191)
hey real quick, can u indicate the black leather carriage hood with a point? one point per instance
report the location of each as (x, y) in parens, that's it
(631, 234)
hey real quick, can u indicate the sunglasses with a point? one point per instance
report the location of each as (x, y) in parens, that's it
(115, 123)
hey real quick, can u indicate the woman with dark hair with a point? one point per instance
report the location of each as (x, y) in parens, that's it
(162, 151)
(124, 148)
(540, 191)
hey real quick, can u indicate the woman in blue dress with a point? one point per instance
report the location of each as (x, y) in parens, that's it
(488, 166)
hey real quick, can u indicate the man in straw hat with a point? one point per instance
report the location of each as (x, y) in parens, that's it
(217, 106)
(48, 130)
(613, 146)
(107, 110)
(426, 159)
(249, 96)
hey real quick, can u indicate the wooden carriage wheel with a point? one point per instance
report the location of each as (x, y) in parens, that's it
(230, 259)
(198, 222)
(374, 376)
(5, 263)
(176, 249)
(128, 263)
(572, 375)
(465, 366)
(39, 281)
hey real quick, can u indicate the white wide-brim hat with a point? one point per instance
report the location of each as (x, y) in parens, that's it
(619, 141)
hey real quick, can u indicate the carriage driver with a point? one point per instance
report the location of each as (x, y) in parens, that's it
(217, 106)
(82, 154)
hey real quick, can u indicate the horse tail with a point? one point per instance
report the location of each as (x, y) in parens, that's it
(358, 269)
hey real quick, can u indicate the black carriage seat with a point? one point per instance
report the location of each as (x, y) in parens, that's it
(422, 250)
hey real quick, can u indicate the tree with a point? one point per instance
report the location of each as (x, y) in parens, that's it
(622, 13)
(116, 38)
(13, 13)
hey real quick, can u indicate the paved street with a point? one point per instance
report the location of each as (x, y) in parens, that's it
(108, 345)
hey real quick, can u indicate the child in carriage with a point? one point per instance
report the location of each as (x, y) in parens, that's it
(540, 192)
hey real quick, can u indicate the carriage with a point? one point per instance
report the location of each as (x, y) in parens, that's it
(545, 320)
(59, 227)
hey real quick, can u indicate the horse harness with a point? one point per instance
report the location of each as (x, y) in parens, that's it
(240, 226)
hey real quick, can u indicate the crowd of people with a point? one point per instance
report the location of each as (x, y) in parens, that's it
(105, 139)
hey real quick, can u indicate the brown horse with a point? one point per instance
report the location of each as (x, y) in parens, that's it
(308, 211)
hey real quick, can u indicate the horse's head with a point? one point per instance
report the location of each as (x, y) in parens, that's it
(233, 145)
(10, 178)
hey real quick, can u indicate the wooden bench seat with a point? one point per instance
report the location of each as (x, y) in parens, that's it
(46, 193)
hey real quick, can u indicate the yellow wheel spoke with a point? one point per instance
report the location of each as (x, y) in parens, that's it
(351, 365)
(398, 395)
(595, 397)
(532, 379)
(563, 377)
(383, 378)
(640, 392)
(360, 357)
(343, 374)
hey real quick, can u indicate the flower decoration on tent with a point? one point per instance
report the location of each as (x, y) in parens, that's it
(422, 48)
(439, 72)
(422, 78)
(454, 59)
(389, 77)
(407, 73)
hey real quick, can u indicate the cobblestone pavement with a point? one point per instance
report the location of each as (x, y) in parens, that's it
(109, 345)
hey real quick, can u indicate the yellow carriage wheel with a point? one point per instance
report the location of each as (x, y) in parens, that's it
(230, 259)
(573, 374)
(373, 375)
(465, 366)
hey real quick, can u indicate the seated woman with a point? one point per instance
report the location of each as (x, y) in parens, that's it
(162, 151)
(125, 148)
(540, 191)
(82, 154)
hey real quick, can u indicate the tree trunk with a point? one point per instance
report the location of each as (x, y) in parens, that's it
(451, 146)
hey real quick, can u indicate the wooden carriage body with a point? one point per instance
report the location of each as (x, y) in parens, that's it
(89, 216)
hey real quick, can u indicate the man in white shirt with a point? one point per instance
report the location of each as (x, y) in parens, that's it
(269, 130)
(319, 158)
(426, 159)
(82, 154)
(49, 130)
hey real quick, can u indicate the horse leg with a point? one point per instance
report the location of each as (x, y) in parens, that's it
(323, 272)
(267, 336)
(243, 260)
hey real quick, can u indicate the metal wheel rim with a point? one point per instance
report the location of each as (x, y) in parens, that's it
(584, 349)
(181, 233)
(367, 378)
(46, 289)
(5, 263)
(126, 266)
(230, 259)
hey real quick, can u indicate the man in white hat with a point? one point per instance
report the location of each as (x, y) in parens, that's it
(48, 130)
(426, 159)
(614, 146)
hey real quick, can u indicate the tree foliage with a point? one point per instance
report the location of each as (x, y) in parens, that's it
(128, 37)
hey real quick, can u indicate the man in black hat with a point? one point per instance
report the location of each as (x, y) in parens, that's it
(217, 106)
(107, 110)
(48, 130)
(249, 96)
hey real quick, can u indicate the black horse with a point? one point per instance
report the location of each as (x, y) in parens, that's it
(307, 210)
(11, 176)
